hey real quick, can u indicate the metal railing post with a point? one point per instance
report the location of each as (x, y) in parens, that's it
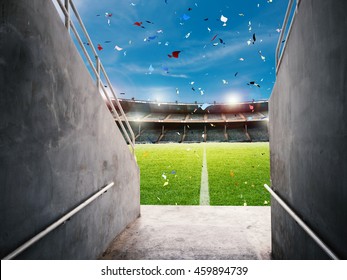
(67, 17)
(98, 71)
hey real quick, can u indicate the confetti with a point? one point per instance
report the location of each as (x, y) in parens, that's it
(166, 69)
(198, 53)
(261, 56)
(214, 37)
(150, 69)
(174, 54)
(145, 154)
(185, 17)
(118, 48)
(165, 184)
(188, 35)
(224, 20)
(249, 26)
(253, 83)
(139, 23)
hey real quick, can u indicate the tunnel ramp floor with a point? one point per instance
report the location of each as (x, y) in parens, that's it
(195, 233)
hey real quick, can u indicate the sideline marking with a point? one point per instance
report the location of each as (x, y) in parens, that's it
(204, 193)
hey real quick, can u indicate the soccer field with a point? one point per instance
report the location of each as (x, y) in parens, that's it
(171, 173)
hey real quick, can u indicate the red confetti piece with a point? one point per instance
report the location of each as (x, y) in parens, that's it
(215, 36)
(137, 23)
(100, 47)
(174, 54)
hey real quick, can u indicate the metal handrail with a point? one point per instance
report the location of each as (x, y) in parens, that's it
(279, 53)
(62, 220)
(303, 225)
(70, 25)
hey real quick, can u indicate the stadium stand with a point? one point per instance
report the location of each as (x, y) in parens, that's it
(258, 133)
(179, 117)
(237, 133)
(172, 133)
(216, 133)
(156, 116)
(172, 136)
(199, 117)
(214, 117)
(234, 117)
(194, 134)
(177, 122)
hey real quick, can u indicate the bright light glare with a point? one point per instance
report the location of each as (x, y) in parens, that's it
(233, 99)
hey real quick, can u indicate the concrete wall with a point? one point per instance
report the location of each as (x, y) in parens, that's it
(308, 133)
(58, 142)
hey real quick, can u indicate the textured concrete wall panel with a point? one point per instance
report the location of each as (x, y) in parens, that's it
(308, 132)
(59, 144)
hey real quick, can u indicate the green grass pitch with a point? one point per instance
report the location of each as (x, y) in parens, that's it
(171, 173)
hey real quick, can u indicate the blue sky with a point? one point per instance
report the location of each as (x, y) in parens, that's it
(212, 51)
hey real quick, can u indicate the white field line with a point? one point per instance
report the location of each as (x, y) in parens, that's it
(204, 193)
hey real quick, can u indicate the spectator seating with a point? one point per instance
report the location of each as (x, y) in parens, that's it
(258, 133)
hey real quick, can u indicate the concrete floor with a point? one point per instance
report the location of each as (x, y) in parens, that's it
(195, 232)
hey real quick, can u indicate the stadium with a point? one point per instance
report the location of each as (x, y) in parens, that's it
(155, 164)
(190, 123)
